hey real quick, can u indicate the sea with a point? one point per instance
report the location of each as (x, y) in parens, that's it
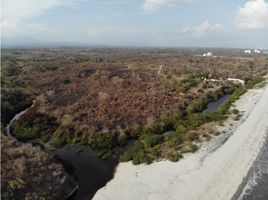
(256, 185)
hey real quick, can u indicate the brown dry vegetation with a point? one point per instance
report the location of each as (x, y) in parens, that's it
(120, 92)
(29, 173)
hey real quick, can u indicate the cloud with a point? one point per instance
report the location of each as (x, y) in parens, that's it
(202, 29)
(24, 9)
(253, 15)
(14, 28)
(150, 5)
(16, 13)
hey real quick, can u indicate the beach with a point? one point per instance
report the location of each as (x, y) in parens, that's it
(215, 172)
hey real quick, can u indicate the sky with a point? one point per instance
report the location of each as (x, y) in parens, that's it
(150, 23)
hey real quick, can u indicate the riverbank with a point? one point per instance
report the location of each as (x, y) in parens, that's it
(214, 172)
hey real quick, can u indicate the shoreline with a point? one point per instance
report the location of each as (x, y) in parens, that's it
(199, 175)
(244, 183)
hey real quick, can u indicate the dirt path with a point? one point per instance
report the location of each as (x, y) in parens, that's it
(159, 72)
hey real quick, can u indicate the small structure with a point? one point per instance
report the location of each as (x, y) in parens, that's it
(236, 80)
(247, 51)
(208, 54)
(257, 51)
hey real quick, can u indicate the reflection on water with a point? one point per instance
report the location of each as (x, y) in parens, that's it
(90, 171)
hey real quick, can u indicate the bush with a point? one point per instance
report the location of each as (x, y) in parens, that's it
(138, 158)
(102, 140)
(58, 140)
(12, 102)
(191, 136)
(132, 151)
(151, 140)
(10, 69)
(235, 111)
(122, 138)
(193, 148)
(105, 153)
(155, 151)
(174, 138)
(253, 81)
(49, 67)
(33, 126)
(180, 129)
(174, 156)
(17, 184)
(141, 157)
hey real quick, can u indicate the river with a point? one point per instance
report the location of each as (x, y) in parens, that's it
(215, 104)
(90, 171)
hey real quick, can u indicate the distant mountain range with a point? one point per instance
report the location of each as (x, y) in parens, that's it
(35, 43)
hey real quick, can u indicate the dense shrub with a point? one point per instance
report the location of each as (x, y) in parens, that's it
(193, 148)
(58, 140)
(174, 156)
(102, 140)
(12, 102)
(253, 81)
(10, 69)
(174, 138)
(34, 126)
(151, 140)
(48, 66)
(132, 151)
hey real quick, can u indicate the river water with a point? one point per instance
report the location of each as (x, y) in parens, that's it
(215, 104)
(90, 171)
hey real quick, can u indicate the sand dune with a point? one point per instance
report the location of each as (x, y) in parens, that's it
(213, 173)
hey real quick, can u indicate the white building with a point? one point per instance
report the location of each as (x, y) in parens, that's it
(207, 54)
(257, 51)
(247, 51)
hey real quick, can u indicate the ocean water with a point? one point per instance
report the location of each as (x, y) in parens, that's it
(256, 187)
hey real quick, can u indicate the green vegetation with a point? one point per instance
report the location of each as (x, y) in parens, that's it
(167, 138)
(253, 81)
(17, 184)
(150, 140)
(174, 156)
(174, 133)
(102, 140)
(10, 69)
(12, 102)
(48, 66)
(34, 127)
(122, 138)
(132, 95)
(105, 153)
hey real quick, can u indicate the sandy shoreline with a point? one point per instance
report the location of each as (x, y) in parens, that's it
(214, 172)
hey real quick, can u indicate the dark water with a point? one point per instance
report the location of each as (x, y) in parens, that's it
(256, 187)
(91, 172)
(215, 104)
